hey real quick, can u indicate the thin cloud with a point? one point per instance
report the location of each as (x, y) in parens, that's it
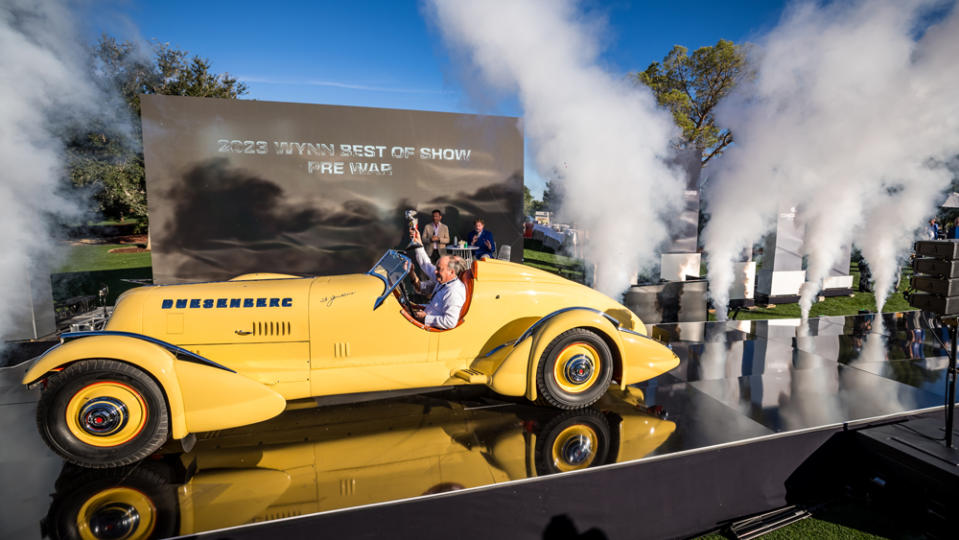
(337, 84)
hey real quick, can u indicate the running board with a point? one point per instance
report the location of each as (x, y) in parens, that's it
(472, 376)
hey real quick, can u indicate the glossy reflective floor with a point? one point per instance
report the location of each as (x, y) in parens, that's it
(738, 380)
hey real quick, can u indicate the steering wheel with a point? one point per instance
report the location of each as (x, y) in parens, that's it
(405, 301)
(404, 298)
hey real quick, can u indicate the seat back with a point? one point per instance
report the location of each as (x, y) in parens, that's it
(467, 278)
(504, 252)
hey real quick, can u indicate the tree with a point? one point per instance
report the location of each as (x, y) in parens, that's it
(107, 156)
(552, 196)
(692, 86)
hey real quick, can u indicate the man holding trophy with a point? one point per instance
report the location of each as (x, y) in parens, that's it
(449, 293)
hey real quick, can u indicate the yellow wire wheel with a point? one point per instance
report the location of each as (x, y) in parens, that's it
(574, 370)
(103, 413)
(117, 513)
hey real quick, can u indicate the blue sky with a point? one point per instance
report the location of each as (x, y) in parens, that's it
(380, 53)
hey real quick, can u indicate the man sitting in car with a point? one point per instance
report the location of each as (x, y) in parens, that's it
(449, 293)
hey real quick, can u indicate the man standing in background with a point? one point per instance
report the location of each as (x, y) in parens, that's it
(437, 235)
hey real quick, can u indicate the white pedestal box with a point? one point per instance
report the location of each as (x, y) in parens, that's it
(678, 266)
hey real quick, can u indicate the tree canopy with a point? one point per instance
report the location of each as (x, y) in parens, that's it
(552, 196)
(106, 157)
(692, 86)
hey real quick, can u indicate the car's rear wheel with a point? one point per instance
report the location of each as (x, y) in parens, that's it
(103, 413)
(574, 370)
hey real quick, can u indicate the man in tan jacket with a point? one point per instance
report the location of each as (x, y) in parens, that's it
(436, 236)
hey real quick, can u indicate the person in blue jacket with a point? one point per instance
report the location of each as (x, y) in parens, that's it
(482, 239)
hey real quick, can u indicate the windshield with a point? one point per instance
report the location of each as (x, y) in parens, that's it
(391, 268)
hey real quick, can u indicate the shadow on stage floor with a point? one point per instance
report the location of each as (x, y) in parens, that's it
(720, 434)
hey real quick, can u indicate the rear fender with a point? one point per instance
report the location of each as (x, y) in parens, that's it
(644, 358)
(200, 397)
(516, 375)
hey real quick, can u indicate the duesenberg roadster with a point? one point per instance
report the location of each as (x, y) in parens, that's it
(183, 359)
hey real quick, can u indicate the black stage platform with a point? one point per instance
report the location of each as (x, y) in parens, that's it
(726, 434)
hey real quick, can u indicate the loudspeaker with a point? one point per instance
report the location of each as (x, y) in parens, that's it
(936, 266)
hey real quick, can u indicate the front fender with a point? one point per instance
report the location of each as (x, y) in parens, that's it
(516, 375)
(200, 397)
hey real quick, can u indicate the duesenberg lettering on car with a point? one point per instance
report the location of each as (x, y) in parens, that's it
(181, 359)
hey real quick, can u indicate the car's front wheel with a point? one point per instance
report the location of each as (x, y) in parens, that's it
(103, 413)
(574, 370)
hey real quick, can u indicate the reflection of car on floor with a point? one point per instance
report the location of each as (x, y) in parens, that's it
(321, 459)
(179, 360)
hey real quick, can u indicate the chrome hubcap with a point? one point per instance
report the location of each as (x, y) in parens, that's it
(103, 416)
(579, 369)
(577, 450)
(114, 521)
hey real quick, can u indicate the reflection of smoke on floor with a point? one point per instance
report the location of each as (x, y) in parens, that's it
(813, 388)
(865, 391)
(25, 461)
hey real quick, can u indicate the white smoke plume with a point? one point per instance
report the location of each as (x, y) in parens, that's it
(45, 84)
(603, 139)
(851, 119)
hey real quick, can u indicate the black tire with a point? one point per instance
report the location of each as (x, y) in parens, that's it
(572, 441)
(79, 428)
(564, 391)
(136, 501)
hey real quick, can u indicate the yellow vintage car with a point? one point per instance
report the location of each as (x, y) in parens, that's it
(177, 360)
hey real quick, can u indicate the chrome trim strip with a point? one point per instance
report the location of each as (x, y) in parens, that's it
(628, 331)
(497, 348)
(644, 336)
(181, 353)
(529, 331)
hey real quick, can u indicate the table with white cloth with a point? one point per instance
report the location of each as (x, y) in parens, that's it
(465, 252)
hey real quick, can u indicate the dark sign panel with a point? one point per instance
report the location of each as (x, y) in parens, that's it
(240, 186)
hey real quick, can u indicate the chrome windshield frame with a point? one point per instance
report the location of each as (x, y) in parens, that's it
(387, 286)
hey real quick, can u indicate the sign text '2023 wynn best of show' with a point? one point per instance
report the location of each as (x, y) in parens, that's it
(353, 155)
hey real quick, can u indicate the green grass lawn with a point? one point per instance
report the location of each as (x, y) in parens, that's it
(96, 257)
(89, 267)
(839, 305)
(538, 257)
(844, 518)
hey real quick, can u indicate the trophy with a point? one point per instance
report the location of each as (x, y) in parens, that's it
(414, 224)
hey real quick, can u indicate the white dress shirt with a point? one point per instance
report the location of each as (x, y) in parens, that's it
(443, 311)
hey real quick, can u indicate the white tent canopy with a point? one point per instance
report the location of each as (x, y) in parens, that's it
(952, 201)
